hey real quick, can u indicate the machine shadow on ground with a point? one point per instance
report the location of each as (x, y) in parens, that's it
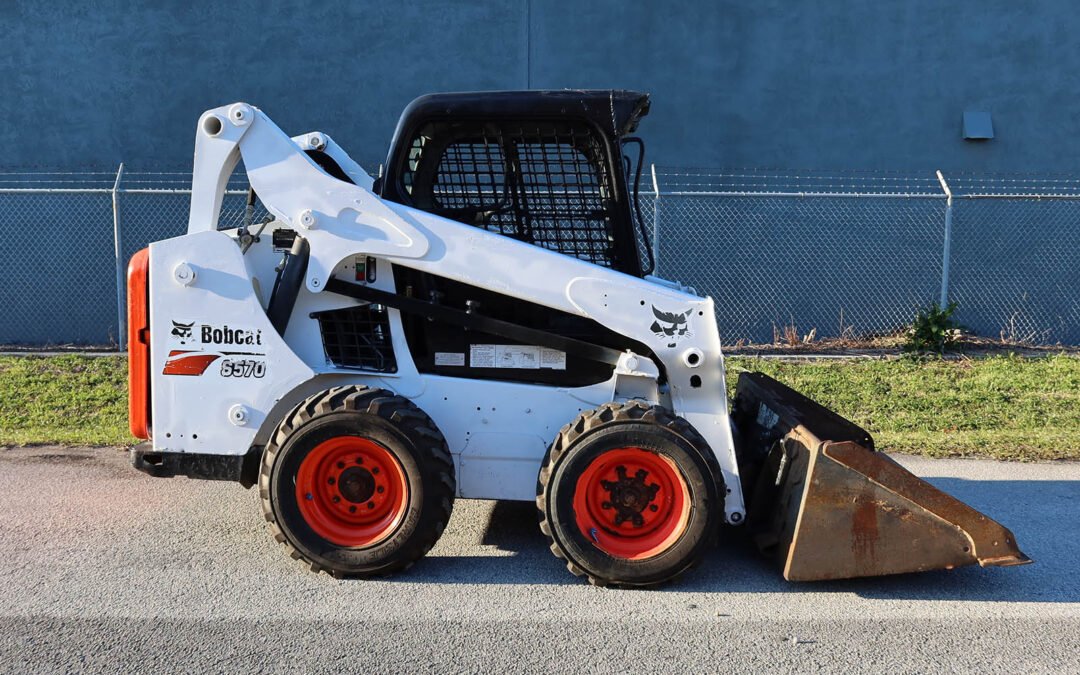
(1044, 516)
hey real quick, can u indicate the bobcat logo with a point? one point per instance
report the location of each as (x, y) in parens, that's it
(672, 325)
(182, 331)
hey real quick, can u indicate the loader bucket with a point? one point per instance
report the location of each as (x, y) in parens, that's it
(829, 507)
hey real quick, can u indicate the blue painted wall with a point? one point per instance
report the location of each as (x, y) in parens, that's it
(835, 85)
(765, 83)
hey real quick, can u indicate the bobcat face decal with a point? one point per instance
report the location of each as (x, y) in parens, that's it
(671, 325)
(182, 331)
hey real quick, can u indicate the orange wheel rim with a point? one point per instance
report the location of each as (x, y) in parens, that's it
(631, 503)
(352, 491)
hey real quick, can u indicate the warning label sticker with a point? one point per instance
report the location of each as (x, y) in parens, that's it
(482, 356)
(514, 356)
(449, 358)
(522, 357)
(552, 358)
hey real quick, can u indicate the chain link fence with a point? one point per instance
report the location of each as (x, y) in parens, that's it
(57, 274)
(787, 256)
(1015, 257)
(68, 239)
(799, 256)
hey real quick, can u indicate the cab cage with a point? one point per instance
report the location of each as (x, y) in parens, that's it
(542, 167)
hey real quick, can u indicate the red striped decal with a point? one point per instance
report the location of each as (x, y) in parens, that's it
(188, 363)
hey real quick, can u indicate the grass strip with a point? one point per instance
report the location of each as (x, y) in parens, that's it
(1003, 407)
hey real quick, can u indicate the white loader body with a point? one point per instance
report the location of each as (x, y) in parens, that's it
(222, 377)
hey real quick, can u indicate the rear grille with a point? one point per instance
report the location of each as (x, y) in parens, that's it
(358, 338)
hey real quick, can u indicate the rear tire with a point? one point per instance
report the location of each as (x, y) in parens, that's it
(357, 482)
(629, 495)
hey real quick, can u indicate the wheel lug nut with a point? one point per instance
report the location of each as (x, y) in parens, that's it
(380, 489)
(375, 471)
(308, 497)
(606, 505)
(336, 499)
(341, 465)
(371, 505)
(330, 480)
(352, 509)
(359, 460)
(654, 508)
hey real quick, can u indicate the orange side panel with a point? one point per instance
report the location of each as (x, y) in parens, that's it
(139, 344)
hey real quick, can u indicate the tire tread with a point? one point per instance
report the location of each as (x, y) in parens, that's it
(608, 413)
(397, 410)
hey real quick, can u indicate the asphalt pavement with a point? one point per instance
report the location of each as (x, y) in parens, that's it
(105, 569)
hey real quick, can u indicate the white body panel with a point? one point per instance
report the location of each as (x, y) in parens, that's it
(497, 431)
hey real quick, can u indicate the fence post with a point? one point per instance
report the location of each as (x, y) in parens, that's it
(118, 252)
(945, 254)
(655, 222)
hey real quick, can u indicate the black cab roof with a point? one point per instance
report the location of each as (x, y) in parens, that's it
(616, 110)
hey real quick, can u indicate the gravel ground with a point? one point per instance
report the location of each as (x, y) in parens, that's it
(105, 569)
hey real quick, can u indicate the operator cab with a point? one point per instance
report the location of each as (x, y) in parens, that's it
(544, 167)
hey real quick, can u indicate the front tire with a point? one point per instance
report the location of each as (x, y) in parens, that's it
(629, 495)
(357, 482)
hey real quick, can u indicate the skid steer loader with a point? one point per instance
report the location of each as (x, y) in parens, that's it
(480, 322)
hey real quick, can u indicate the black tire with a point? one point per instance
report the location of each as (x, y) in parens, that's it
(615, 426)
(399, 427)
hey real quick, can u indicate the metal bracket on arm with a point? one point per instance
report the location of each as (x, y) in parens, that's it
(317, 140)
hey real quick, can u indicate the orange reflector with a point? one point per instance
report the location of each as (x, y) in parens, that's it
(138, 340)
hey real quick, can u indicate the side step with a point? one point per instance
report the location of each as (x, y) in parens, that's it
(829, 507)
